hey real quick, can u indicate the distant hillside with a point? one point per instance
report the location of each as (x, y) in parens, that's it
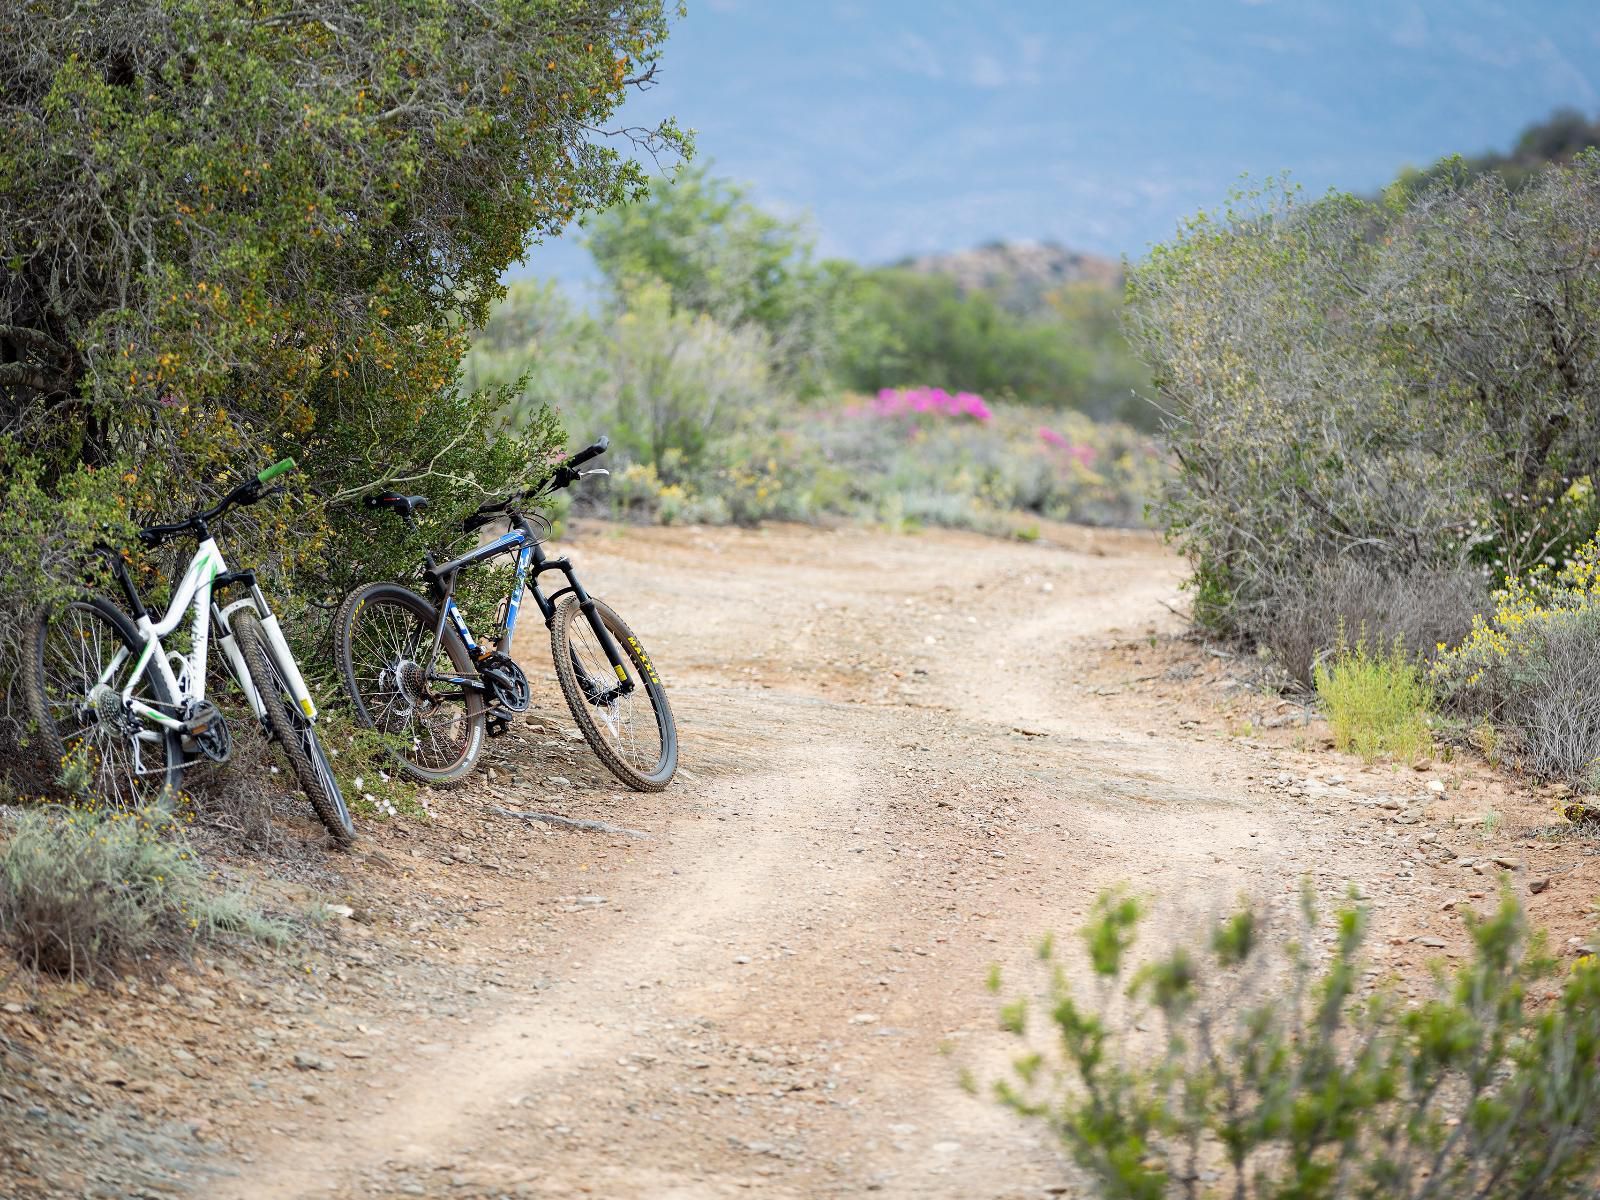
(1018, 275)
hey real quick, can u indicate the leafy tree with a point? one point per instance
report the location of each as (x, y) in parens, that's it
(1072, 355)
(236, 229)
(1411, 387)
(665, 382)
(723, 256)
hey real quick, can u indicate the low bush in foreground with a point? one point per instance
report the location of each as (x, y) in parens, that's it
(83, 890)
(1274, 1084)
(1376, 701)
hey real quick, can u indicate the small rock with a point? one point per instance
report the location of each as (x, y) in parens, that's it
(1509, 864)
(310, 1062)
(1436, 785)
(1432, 943)
(864, 1018)
(1538, 885)
(558, 781)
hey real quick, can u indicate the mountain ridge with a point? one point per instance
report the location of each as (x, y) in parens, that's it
(1018, 275)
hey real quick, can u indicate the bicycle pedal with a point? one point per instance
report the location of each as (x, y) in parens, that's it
(205, 732)
(496, 724)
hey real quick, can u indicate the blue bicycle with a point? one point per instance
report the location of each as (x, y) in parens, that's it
(414, 670)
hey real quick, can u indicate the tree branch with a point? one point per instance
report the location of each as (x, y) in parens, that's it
(40, 379)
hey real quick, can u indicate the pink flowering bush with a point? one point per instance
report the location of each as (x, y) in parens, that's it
(1081, 453)
(917, 402)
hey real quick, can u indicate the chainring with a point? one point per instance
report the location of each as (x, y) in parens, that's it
(506, 683)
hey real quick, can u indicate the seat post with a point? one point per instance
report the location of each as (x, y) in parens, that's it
(125, 580)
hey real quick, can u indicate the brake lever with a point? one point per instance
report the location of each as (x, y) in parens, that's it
(594, 471)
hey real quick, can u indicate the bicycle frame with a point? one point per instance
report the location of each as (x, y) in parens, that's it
(207, 572)
(531, 563)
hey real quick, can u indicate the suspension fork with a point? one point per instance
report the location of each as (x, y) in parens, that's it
(547, 605)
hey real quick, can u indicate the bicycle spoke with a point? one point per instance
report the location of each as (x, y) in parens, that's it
(619, 718)
(79, 648)
(387, 639)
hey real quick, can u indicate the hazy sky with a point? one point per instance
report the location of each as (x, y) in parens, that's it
(907, 126)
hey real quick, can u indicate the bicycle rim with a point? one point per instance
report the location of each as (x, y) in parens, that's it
(385, 637)
(126, 762)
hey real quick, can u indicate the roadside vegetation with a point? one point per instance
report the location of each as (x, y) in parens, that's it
(84, 890)
(1377, 702)
(1381, 412)
(742, 380)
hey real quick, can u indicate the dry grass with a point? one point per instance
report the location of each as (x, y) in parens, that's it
(83, 890)
(1377, 702)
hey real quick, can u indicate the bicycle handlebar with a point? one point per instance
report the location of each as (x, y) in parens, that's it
(599, 447)
(248, 492)
(565, 474)
(276, 469)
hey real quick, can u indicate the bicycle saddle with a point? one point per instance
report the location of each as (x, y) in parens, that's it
(394, 502)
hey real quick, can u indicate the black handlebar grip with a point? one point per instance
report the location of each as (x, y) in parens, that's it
(588, 452)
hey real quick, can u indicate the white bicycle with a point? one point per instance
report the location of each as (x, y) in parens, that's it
(101, 685)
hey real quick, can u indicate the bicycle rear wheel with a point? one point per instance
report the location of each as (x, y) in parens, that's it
(131, 761)
(381, 634)
(295, 732)
(632, 732)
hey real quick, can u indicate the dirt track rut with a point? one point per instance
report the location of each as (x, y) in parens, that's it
(894, 775)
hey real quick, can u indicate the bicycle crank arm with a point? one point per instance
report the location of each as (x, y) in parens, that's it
(474, 683)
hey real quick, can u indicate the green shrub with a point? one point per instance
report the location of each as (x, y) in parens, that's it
(1377, 702)
(1412, 383)
(1215, 1072)
(83, 890)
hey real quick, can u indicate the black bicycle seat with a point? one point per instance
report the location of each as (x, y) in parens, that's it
(396, 503)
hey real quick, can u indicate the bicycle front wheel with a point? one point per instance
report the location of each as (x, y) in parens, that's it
(76, 664)
(381, 635)
(630, 729)
(295, 733)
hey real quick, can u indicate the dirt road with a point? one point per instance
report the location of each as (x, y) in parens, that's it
(898, 768)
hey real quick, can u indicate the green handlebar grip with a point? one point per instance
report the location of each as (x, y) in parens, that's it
(278, 468)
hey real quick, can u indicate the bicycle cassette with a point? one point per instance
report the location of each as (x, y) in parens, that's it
(505, 682)
(206, 732)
